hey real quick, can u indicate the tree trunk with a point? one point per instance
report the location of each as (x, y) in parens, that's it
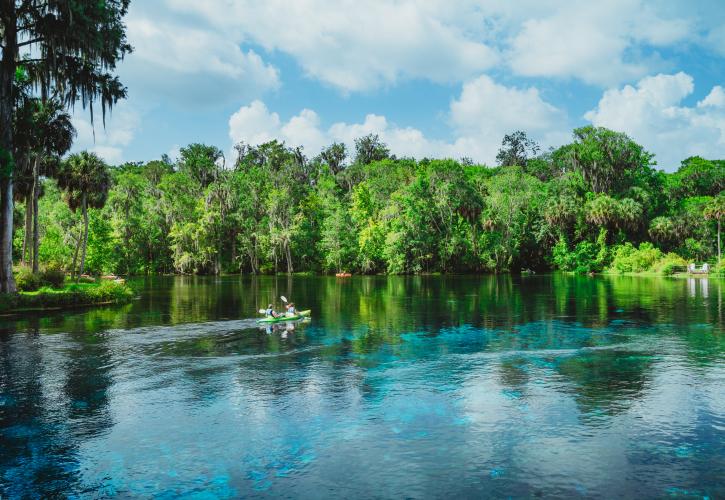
(234, 250)
(75, 257)
(7, 75)
(289, 259)
(84, 206)
(719, 256)
(36, 232)
(25, 258)
(7, 280)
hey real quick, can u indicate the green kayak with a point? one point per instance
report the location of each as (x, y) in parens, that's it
(283, 318)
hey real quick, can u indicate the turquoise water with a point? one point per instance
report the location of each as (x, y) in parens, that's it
(417, 387)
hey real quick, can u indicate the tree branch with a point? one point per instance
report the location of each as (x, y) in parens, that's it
(30, 42)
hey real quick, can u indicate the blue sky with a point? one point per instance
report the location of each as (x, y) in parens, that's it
(433, 78)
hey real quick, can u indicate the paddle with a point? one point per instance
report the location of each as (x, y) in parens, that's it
(284, 299)
(262, 311)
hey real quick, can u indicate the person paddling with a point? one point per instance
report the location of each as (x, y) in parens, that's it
(270, 312)
(291, 311)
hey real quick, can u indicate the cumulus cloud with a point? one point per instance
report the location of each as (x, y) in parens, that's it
(354, 46)
(652, 114)
(109, 141)
(479, 118)
(357, 46)
(593, 41)
(180, 58)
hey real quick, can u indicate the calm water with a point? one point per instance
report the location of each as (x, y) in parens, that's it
(397, 387)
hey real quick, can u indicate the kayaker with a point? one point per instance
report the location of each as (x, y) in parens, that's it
(291, 311)
(270, 312)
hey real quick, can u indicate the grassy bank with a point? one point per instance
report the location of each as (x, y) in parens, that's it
(71, 295)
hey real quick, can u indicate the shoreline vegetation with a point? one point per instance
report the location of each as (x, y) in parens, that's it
(71, 295)
(597, 204)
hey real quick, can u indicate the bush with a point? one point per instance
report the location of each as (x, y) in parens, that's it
(669, 264)
(587, 257)
(26, 279)
(628, 259)
(719, 269)
(53, 277)
(76, 294)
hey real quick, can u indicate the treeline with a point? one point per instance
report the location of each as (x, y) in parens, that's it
(582, 207)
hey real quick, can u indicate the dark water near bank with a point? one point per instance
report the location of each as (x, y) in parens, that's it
(421, 387)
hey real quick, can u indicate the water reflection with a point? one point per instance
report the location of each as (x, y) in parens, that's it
(524, 386)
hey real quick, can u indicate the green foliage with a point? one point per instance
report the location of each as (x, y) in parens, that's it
(53, 277)
(609, 161)
(669, 264)
(276, 211)
(76, 294)
(587, 257)
(517, 149)
(26, 280)
(629, 259)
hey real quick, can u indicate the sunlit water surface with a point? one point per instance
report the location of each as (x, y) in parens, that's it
(397, 387)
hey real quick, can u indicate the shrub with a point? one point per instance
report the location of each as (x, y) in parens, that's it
(628, 259)
(53, 277)
(669, 264)
(719, 269)
(26, 279)
(587, 257)
(75, 294)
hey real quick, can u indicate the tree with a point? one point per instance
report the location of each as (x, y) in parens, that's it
(66, 47)
(608, 160)
(86, 180)
(201, 162)
(699, 177)
(334, 157)
(715, 210)
(370, 148)
(44, 132)
(516, 150)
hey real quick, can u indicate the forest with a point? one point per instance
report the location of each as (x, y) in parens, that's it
(599, 203)
(596, 204)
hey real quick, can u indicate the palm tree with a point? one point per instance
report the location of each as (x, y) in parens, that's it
(86, 180)
(45, 133)
(715, 210)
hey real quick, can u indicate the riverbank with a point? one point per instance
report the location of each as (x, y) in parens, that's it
(71, 295)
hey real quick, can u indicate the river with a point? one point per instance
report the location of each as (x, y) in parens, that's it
(417, 387)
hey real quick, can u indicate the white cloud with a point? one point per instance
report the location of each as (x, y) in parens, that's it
(652, 114)
(593, 41)
(109, 141)
(486, 111)
(355, 46)
(715, 99)
(182, 58)
(479, 118)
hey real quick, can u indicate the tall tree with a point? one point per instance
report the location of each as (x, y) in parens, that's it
(370, 148)
(334, 157)
(201, 162)
(55, 133)
(607, 160)
(516, 150)
(715, 210)
(86, 181)
(67, 47)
